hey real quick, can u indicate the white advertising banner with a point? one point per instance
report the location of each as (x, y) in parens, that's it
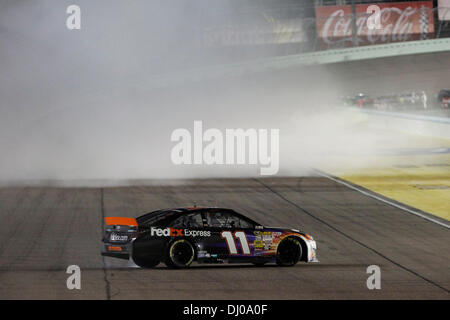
(444, 10)
(268, 31)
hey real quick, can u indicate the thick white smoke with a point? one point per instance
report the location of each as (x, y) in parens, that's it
(78, 105)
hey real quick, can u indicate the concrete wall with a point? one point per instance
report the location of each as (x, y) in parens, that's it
(407, 123)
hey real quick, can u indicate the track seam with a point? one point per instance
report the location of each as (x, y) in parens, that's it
(350, 237)
(105, 275)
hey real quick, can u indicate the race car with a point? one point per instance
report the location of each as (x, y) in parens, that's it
(360, 100)
(363, 100)
(444, 98)
(180, 236)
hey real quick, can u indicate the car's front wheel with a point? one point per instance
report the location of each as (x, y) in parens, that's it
(180, 254)
(289, 252)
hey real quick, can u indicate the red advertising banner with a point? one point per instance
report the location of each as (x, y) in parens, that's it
(399, 21)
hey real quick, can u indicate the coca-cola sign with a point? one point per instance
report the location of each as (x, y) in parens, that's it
(402, 21)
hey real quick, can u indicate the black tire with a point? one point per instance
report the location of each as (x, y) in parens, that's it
(289, 252)
(144, 263)
(180, 254)
(259, 264)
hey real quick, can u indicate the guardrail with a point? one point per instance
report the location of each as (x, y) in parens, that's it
(408, 116)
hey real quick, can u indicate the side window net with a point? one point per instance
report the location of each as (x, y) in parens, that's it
(226, 220)
(189, 221)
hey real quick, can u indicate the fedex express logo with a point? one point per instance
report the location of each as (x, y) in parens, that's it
(172, 232)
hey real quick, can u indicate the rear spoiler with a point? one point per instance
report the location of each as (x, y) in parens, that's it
(121, 221)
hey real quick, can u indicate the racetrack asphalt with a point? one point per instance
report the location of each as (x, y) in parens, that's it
(43, 230)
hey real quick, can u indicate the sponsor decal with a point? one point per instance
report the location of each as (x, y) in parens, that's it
(276, 236)
(258, 244)
(172, 232)
(197, 233)
(167, 232)
(264, 239)
(118, 237)
(267, 240)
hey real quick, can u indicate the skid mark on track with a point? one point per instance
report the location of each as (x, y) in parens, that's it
(108, 284)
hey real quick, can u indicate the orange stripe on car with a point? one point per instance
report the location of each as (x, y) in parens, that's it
(121, 221)
(111, 248)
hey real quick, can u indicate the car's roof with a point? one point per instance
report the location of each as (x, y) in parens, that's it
(190, 209)
(184, 210)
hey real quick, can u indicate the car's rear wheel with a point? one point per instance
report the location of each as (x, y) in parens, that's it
(289, 252)
(180, 254)
(144, 262)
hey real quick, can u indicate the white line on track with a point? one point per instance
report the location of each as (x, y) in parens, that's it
(383, 200)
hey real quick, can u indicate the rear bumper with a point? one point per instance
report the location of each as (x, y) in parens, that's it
(114, 250)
